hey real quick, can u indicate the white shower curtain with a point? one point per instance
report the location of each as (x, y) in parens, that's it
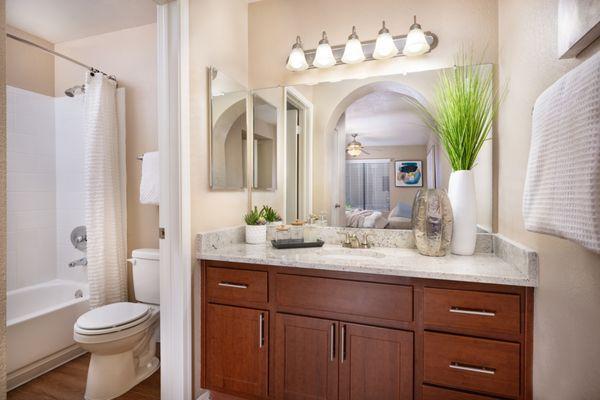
(107, 268)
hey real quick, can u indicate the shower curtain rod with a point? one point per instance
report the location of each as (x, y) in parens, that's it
(91, 69)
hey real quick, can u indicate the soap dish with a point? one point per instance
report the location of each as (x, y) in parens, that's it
(295, 244)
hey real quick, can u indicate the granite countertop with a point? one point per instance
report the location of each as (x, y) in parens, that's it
(481, 267)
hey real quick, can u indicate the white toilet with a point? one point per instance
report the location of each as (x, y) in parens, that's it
(121, 336)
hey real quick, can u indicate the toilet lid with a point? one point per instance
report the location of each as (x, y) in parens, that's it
(112, 315)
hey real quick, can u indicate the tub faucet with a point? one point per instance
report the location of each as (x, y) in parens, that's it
(81, 262)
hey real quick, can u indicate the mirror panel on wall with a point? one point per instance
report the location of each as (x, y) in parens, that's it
(264, 136)
(369, 153)
(228, 133)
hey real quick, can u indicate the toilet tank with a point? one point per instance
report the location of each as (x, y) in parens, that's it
(145, 268)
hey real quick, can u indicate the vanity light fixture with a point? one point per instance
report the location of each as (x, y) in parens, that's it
(297, 59)
(384, 46)
(324, 56)
(416, 42)
(353, 52)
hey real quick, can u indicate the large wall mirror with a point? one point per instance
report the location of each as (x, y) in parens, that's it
(228, 132)
(355, 152)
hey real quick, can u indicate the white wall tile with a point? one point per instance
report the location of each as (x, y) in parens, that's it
(31, 186)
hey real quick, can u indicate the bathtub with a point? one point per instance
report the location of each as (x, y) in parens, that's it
(39, 327)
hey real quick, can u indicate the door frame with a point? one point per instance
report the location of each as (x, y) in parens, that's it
(174, 211)
(306, 107)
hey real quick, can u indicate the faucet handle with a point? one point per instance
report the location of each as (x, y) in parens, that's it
(346, 242)
(365, 244)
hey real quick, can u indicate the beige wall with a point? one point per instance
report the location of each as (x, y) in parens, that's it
(130, 55)
(567, 319)
(398, 153)
(218, 36)
(2, 205)
(27, 67)
(274, 24)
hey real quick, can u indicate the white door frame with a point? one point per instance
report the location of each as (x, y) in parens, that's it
(299, 100)
(174, 212)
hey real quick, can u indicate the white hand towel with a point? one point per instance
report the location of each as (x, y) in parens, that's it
(150, 184)
(562, 188)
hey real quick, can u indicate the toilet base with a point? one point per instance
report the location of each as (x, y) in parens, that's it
(116, 367)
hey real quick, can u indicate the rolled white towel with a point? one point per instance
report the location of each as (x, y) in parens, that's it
(150, 183)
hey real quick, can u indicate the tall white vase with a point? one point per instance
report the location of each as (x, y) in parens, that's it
(461, 192)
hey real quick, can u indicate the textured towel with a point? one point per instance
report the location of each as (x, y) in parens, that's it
(150, 185)
(562, 188)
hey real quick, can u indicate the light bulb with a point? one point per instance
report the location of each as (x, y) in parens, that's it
(384, 46)
(297, 59)
(353, 52)
(324, 57)
(416, 42)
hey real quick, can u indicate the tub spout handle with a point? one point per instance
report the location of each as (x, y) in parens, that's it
(81, 262)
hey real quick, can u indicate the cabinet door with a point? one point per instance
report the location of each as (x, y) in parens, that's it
(375, 363)
(306, 359)
(237, 350)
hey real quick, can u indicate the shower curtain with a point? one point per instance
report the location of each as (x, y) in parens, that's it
(106, 250)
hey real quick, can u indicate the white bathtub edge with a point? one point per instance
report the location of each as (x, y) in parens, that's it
(40, 367)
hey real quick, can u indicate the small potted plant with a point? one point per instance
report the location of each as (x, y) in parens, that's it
(271, 216)
(256, 227)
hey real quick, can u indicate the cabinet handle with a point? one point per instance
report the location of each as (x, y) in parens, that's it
(332, 342)
(261, 330)
(481, 313)
(233, 285)
(343, 344)
(472, 368)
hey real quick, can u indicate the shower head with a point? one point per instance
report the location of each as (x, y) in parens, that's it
(75, 90)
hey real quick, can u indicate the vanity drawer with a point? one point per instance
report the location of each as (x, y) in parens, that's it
(480, 365)
(229, 284)
(365, 299)
(436, 393)
(485, 313)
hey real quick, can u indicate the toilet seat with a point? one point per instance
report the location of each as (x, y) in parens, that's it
(112, 318)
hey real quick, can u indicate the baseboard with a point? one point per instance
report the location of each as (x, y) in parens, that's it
(35, 369)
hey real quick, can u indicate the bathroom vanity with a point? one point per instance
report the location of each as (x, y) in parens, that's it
(383, 324)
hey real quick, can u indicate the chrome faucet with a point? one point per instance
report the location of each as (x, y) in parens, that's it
(81, 262)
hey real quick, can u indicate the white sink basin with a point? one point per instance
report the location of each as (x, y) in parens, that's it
(350, 254)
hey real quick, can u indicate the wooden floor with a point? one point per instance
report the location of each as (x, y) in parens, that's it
(67, 382)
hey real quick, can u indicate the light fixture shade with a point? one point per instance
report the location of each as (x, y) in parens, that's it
(353, 52)
(416, 42)
(324, 56)
(384, 46)
(297, 59)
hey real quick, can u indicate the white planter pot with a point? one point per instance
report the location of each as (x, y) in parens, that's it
(461, 192)
(256, 234)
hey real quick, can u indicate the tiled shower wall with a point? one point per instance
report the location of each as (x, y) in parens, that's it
(45, 186)
(69, 183)
(31, 193)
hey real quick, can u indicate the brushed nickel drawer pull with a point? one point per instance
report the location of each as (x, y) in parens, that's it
(261, 330)
(233, 285)
(472, 368)
(481, 313)
(332, 342)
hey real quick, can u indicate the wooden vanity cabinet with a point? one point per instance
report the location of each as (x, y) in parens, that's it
(282, 333)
